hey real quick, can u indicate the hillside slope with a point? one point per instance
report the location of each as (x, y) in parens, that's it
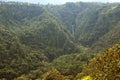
(88, 23)
(34, 38)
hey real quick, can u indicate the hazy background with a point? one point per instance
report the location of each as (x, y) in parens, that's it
(60, 1)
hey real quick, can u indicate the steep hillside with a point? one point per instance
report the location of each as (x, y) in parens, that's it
(36, 38)
(12, 55)
(50, 36)
(89, 22)
(86, 23)
(16, 58)
(108, 39)
(16, 14)
(68, 13)
(37, 28)
(97, 23)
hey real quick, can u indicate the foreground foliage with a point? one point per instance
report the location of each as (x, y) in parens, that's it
(105, 66)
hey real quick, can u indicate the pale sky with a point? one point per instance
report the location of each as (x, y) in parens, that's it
(61, 1)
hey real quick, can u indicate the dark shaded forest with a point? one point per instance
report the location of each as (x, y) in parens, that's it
(73, 41)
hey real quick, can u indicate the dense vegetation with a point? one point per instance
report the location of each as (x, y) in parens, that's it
(105, 66)
(56, 42)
